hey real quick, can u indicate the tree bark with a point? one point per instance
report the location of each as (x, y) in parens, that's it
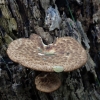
(80, 20)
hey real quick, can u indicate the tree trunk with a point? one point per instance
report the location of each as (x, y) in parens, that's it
(79, 19)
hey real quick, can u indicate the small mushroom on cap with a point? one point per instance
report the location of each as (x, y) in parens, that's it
(47, 82)
(66, 54)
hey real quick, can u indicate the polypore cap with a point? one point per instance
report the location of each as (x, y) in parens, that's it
(47, 82)
(66, 54)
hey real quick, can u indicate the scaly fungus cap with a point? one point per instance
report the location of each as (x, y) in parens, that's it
(47, 82)
(66, 54)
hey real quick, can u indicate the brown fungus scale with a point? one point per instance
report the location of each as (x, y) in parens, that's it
(66, 54)
(47, 82)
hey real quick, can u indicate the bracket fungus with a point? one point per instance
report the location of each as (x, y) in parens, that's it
(47, 82)
(65, 54)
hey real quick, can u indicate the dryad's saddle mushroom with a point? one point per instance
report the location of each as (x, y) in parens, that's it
(66, 54)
